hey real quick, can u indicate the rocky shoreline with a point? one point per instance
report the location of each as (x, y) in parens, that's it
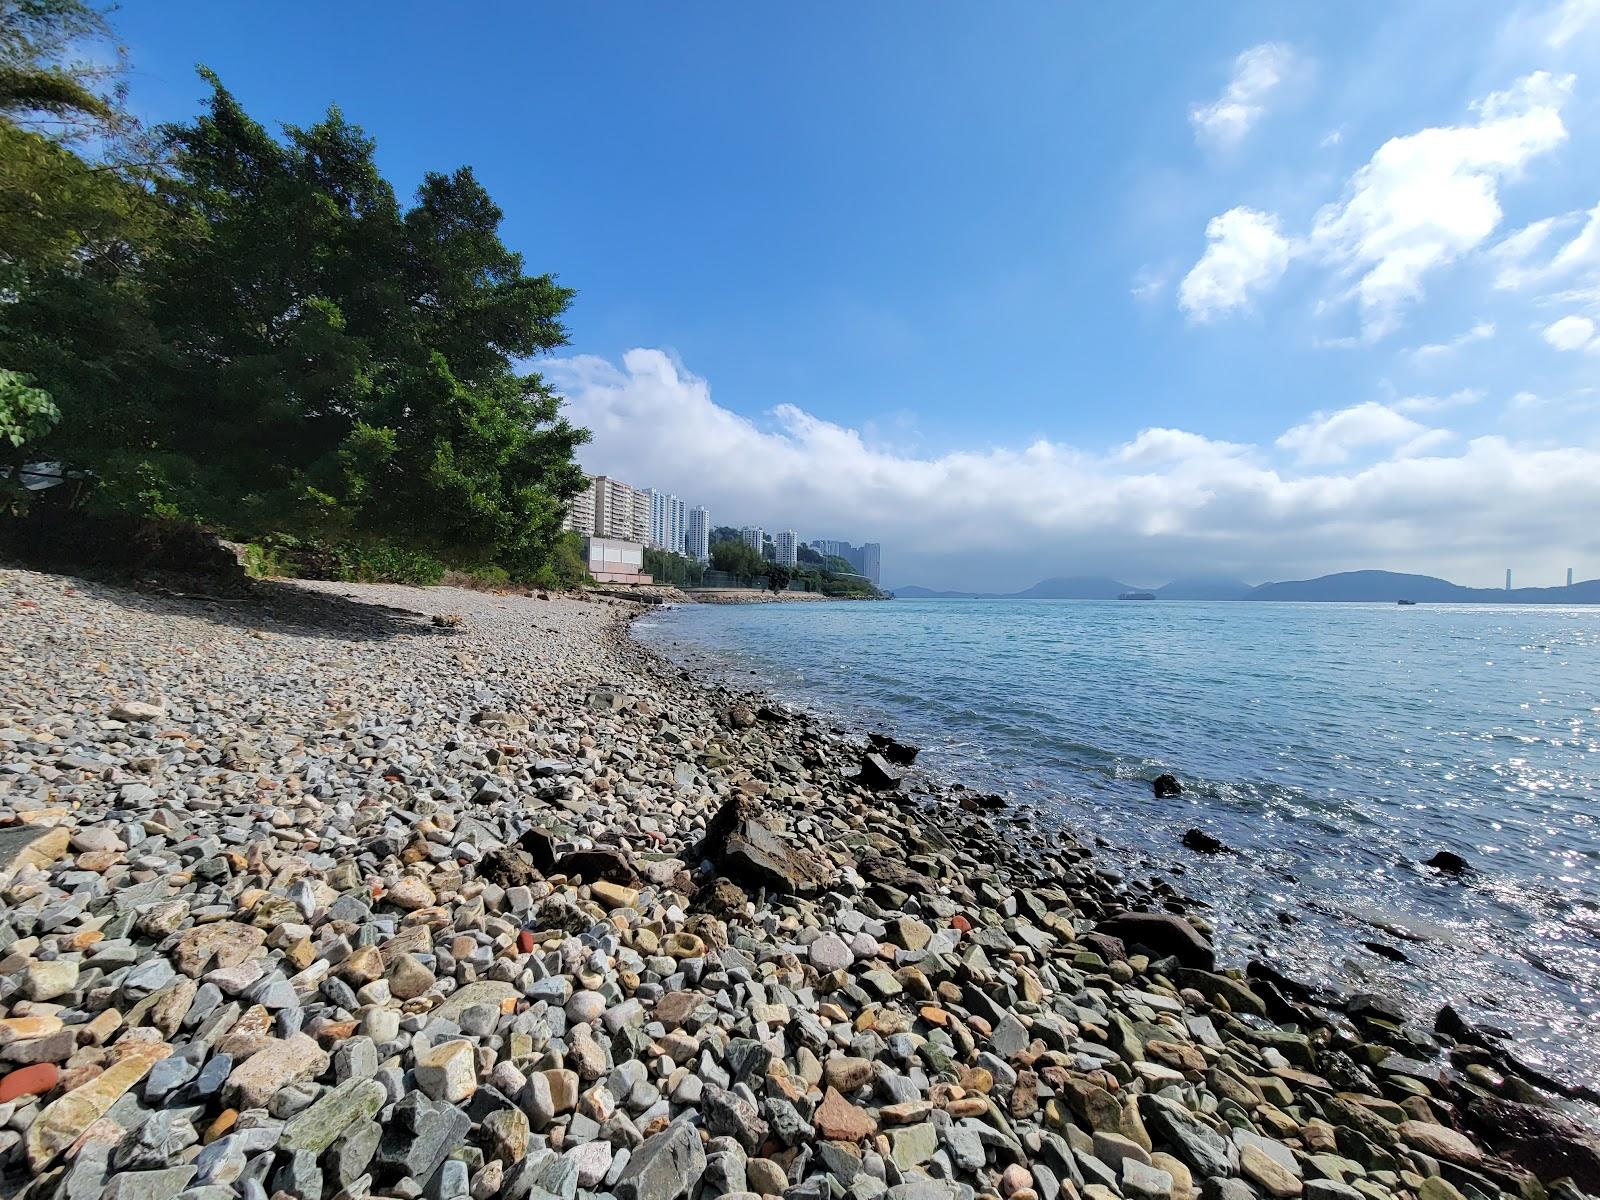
(347, 891)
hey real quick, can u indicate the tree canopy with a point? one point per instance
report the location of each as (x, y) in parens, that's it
(252, 332)
(734, 557)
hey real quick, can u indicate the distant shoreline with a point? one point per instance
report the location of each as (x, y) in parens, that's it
(1345, 587)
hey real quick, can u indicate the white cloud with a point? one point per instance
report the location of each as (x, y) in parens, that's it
(1164, 502)
(1245, 253)
(1424, 200)
(1580, 255)
(1149, 284)
(1570, 19)
(1157, 446)
(1434, 351)
(1424, 404)
(1572, 333)
(1257, 73)
(1334, 437)
(1420, 203)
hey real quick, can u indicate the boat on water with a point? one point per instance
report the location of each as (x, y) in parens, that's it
(1407, 603)
(1137, 596)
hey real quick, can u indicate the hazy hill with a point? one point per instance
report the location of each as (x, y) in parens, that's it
(1349, 587)
(914, 592)
(1390, 586)
(1060, 588)
(1204, 587)
(1074, 587)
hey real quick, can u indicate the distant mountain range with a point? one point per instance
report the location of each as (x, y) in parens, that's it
(1383, 587)
(1390, 586)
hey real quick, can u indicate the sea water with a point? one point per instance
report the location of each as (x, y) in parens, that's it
(1333, 748)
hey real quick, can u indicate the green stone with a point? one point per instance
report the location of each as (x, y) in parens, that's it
(1273, 1089)
(883, 982)
(486, 991)
(913, 1145)
(1434, 1188)
(319, 1126)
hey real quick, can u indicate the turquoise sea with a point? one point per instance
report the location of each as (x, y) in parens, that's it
(1333, 747)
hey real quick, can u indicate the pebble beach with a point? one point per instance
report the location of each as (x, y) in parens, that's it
(336, 890)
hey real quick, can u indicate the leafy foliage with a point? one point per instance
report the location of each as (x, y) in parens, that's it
(258, 336)
(42, 87)
(831, 583)
(736, 558)
(25, 412)
(779, 576)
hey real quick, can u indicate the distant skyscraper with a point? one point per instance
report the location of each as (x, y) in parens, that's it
(666, 521)
(863, 560)
(1569, 576)
(697, 537)
(1508, 579)
(752, 536)
(788, 546)
(871, 554)
(660, 517)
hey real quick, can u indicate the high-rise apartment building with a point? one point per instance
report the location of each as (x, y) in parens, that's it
(787, 543)
(580, 510)
(697, 538)
(871, 554)
(666, 521)
(753, 536)
(620, 511)
(832, 547)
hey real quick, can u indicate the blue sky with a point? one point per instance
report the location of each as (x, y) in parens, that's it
(1027, 289)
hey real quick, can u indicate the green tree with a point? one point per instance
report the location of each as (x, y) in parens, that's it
(779, 576)
(42, 85)
(736, 558)
(68, 225)
(297, 353)
(57, 209)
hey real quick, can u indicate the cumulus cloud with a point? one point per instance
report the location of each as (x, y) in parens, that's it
(1423, 201)
(1572, 333)
(1245, 254)
(1257, 73)
(1162, 503)
(1335, 437)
